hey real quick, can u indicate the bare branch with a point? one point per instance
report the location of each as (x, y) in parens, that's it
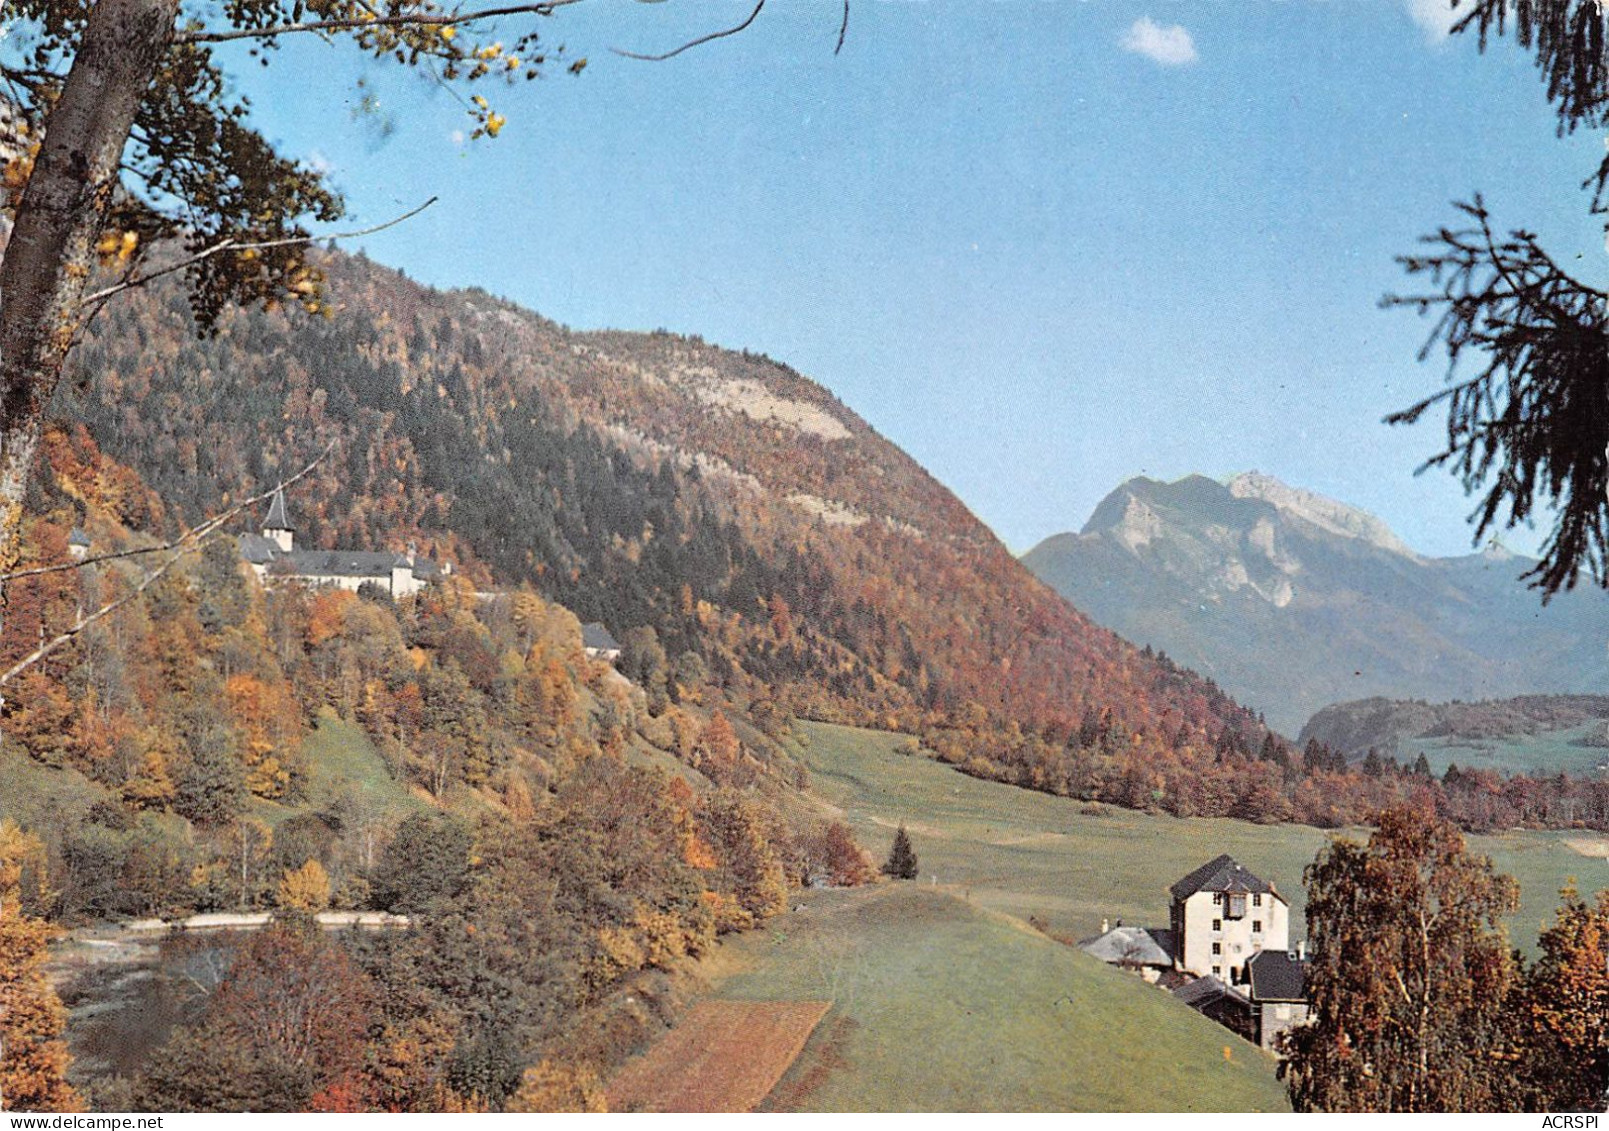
(260, 245)
(205, 528)
(416, 19)
(843, 29)
(186, 543)
(699, 42)
(84, 622)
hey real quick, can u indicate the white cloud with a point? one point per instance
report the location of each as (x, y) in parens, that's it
(456, 137)
(1170, 46)
(1436, 17)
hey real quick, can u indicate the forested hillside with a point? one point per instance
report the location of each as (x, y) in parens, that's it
(219, 746)
(562, 831)
(1357, 726)
(726, 517)
(644, 480)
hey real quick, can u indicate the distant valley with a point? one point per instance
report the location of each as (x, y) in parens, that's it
(1291, 601)
(1535, 733)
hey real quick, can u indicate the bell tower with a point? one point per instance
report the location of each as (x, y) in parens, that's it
(277, 527)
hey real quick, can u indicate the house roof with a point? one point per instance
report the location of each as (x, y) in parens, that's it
(1276, 976)
(256, 549)
(1222, 873)
(342, 563)
(278, 518)
(263, 551)
(1204, 991)
(77, 537)
(599, 638)
(1145, 946)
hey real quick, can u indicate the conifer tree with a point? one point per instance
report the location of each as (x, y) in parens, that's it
(1523, 336)
(901, 863)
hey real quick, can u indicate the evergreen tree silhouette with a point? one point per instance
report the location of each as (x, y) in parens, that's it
(901, 858)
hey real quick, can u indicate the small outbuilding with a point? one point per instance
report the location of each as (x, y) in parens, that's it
(1223, 1004)
(1277, 981)
(1147, 951)
(599, 643)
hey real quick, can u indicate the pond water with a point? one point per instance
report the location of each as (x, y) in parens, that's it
(125, 996)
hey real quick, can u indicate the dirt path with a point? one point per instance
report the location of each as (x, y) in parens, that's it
(724, 1056)
(1588, 847)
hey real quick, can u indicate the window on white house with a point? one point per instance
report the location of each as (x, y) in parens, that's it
(1257, 899)
(1217, 948)
(1256, 926)
(1237, 905)
(1217, 924)
(1217, 971)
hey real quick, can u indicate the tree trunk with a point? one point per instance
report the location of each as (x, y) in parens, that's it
(51, 253)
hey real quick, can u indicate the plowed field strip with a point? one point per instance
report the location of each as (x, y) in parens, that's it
(724, 1056)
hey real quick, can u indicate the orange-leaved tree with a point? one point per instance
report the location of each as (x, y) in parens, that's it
(1411, 978)
(33, 1057)
(1567, 1008)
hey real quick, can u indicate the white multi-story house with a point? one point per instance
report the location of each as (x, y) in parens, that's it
(1222, 915)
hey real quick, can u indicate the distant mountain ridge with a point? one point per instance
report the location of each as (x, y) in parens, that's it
(1292, 601)
(1354, 728)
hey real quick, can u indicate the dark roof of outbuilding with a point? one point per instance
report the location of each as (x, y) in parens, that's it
(1276, 976)
(1221, 873)
(596, 636)
(77, 537)
(256, 549)
(1203, 991)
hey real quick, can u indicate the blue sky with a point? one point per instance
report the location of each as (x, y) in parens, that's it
(1044, 245)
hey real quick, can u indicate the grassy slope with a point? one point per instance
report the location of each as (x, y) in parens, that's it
(944, 1000)
(1023, 853)
(35, 796)
(341, 759)
(339, 756)
(939, 1005)
(1549, 752)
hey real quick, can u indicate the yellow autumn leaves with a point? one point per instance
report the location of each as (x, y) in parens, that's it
(117, 247)
(491, 121)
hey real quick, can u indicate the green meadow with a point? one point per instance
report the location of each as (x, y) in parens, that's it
(342, 761)
(1548, 752)
(941, 1005)
(945, 998)
(1070, 864)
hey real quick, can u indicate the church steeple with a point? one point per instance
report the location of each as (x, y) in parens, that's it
(277, 527)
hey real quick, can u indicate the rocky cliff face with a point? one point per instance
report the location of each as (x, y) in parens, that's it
(1292, 601)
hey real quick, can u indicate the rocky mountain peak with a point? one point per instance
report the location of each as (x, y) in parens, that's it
(1318, 510)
